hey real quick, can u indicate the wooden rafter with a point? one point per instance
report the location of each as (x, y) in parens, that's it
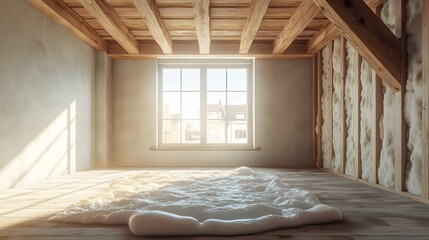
(369, 35)
(299, 20)
(254, 19)
(150, 13)
(329, 32)
(111, 22)
(425, 66)
(66, 17)
(202, 24)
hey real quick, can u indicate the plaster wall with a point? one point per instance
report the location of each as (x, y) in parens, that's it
(283, 121)
(46, 85)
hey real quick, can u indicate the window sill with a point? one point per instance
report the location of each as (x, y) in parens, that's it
(205, 149)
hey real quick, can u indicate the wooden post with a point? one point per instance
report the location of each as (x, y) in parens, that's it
(342, 119)
(319, 110)
(330, 112)
(315, 108)
(400, 127)
(377, 103)
(425, 69)
(358, 163)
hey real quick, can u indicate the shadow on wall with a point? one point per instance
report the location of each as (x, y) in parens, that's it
(52, 152)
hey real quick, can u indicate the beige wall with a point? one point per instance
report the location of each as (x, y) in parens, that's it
(46, 85)
(282, 108)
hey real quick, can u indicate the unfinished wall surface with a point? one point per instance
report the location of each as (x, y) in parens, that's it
(46, 84)
(336, 106)
(283, 124)
(386, 169)
(103, 109)
(326, 105)
(366, 119)
(414, 96)
(350, 103)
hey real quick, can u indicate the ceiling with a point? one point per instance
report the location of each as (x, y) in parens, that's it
(150, 28)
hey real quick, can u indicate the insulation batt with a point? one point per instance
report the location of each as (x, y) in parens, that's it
(325, 106)
(336, 127)
(366, 119)
(386, 170)
(167, 203)
(350, 92)
(414, 96)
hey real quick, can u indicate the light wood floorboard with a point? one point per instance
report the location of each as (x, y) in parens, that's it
(369, 213)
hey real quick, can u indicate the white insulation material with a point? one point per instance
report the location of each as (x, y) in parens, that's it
(325, 106)
(366, 119)
(386, 170)
(350, 93)
(336, 106)
(222, 202)
(414, 96)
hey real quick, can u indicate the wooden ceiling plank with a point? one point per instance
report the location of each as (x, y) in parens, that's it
(111, 22)
(255, 15)
(202, 24)
(329, 32)
(66, 17)
(299, 20)
(369, 35)
(150, 13)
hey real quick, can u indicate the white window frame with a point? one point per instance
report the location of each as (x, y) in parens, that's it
(205, 64)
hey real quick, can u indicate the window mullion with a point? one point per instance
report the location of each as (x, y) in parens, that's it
(203, 105)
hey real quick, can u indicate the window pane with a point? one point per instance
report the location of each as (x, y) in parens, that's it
(171, 131)
(237, 132)
(191, 131)
(237, 98)
(171, 105)
(216, 105)
(237, 79)
(191, 105)
(171, 79)
(215, 131)
(216, 79)
(190, 79)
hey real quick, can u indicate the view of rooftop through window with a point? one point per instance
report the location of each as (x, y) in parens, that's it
(204, 105)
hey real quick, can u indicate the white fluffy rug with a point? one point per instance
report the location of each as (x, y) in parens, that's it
(162, 203)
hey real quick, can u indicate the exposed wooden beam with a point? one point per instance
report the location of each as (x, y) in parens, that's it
(358, 161)
(400, 125)
(109, 19)
(202, 24)
(330, 113)
(369, 35)
(299, 20)
(325, 35)
(256, 13)
(315, 101)
(150, 13)
(425, 66)
(66, 17)
(319, 110)
(218, 49)
(329, 32)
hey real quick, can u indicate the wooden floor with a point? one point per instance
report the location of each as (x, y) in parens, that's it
(368, 213)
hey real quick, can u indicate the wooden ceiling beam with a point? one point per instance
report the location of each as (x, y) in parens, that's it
(111, 22)
(150, 13)
(369, 35)
(66, 17)
(299, 20)
(202, 24)
(256, 13)
(329, 32)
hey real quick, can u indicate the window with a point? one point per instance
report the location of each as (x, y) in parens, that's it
(205, 104)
